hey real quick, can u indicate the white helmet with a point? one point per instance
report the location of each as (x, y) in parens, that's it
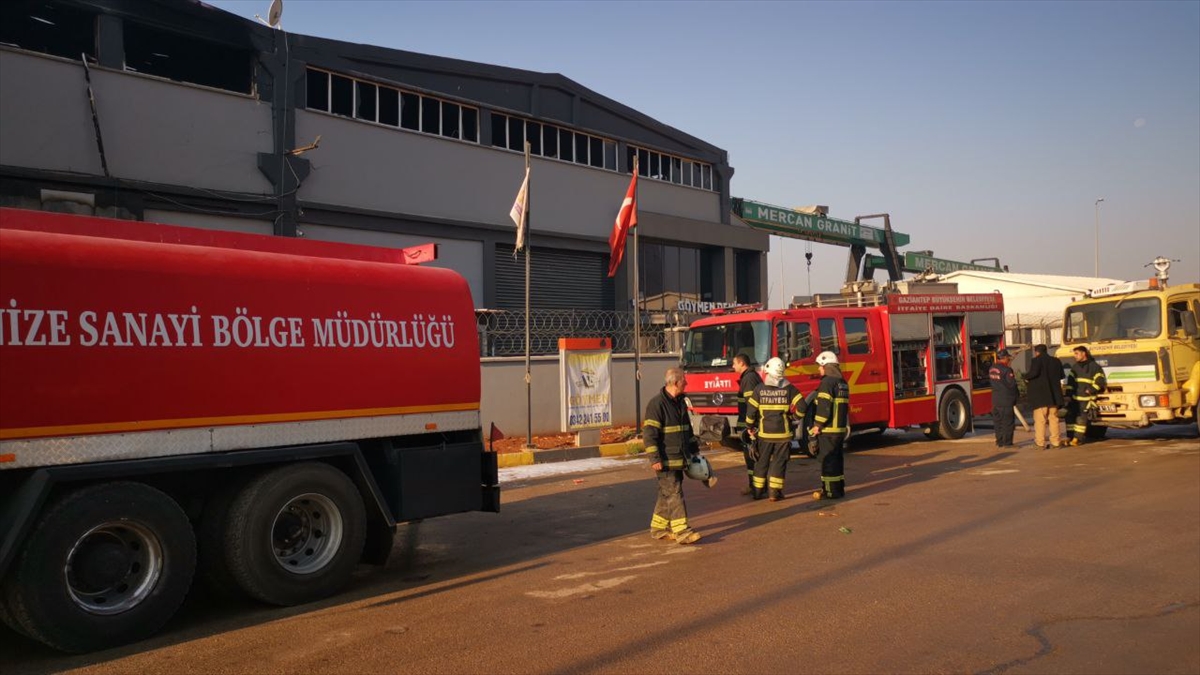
(698, 468)
(774, 368)
(827, 358)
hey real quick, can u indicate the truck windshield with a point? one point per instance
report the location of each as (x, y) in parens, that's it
(715, 346)
(1116, 320)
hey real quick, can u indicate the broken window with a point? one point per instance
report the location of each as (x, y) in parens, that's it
(516, 134)
(596, 152)
(706, 173)
(48, 28)
(431, 115)
(581, 149)
(676, 170)
(499, 130)
(317, 90)
(610, 155)
(566, 145)
(364, 100)
(533, 131)
(550, 142)
(341, 100)
(450, 120)
(643, 162)
(470, 124)
(184, 58)
(410, 111)
(389, 106)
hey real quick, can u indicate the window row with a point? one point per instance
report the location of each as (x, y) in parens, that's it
(70, 32)
(670, 169)
(371, 102)
(554, 142)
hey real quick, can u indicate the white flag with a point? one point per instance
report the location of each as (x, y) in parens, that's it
(520, 212)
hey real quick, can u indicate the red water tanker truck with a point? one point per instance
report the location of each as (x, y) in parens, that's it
(182, 405)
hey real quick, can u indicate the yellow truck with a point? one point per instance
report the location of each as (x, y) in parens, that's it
(1145, 335)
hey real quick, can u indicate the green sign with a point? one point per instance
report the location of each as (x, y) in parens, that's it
(915, 262)
(791, 223)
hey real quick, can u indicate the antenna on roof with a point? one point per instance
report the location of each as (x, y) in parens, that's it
(274, 14)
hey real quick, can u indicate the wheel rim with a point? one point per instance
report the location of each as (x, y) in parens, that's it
(307, 533)
(113, 567)
(956, 414)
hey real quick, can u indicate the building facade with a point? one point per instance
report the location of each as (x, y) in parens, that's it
(176, 112)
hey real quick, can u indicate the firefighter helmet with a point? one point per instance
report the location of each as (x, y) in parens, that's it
(827, 358)
(774, 368)
(698, 468)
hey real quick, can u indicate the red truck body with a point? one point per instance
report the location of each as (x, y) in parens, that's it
(104, 335)
(256, 410)
(911, 359)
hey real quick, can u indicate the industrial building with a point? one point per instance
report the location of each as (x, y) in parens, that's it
(176, 112)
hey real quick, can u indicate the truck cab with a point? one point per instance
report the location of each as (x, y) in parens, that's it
(1145, 335)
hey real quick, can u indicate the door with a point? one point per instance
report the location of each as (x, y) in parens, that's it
(864, 365)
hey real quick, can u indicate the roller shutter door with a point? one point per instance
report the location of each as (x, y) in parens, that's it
(559, 279)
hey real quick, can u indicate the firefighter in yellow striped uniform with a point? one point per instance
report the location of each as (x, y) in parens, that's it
(667, 433)
(831, 426)
(1084, 381)
(773, 411)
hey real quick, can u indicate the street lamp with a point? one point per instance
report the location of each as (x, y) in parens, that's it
(1098, 236)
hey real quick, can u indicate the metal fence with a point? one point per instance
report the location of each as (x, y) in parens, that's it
(502, 332)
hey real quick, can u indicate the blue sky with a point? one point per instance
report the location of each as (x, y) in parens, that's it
(984, 128)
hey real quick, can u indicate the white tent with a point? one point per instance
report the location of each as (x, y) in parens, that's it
(1033, 303)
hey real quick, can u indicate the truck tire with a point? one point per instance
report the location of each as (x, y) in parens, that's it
(212, 570)
(295, 534)
(1095, 432)
(954, 415)
(105, 565)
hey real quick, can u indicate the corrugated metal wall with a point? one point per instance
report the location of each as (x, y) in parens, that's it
(559, 279)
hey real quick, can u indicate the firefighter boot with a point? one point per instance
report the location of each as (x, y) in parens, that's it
(776, 495)
(757, 493)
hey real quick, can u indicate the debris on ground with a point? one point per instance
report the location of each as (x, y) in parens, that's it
(844, 530)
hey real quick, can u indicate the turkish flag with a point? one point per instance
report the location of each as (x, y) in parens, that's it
(626, 220)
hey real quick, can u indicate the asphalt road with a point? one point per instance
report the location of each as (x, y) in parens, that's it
(959, 559)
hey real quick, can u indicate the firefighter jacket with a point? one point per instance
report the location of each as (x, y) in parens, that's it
(772, 411)
(746, 384)
(1085, 380)
(833, 402)
(1004, 385)
(667, 431)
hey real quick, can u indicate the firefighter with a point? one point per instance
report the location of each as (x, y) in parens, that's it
(667, 433)
(773, 410)
(748, 379)
(1004, 397)
(831, 426)
(1084, 381)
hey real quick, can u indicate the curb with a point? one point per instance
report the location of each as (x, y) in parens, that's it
(525, 457)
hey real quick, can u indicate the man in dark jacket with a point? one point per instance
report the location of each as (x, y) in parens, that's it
(1044, 392)
(667, 433)
(1004, 397)
(748, 379)
(1084, 382)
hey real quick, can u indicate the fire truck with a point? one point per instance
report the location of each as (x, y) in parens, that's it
(259, 412)
(1144, 334)
(915, 354)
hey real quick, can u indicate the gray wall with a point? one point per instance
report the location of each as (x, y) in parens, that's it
(504, 391)
(465, 257)
(373, 167)
(205, 221)
(154, 130)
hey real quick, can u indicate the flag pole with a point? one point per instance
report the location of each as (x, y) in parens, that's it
(637, 318)
(528, 378)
